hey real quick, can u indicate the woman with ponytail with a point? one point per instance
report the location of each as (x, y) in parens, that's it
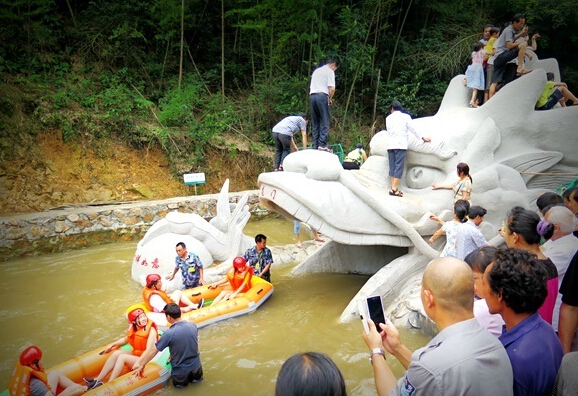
(524, 230)
(450, 228)
(462, 187)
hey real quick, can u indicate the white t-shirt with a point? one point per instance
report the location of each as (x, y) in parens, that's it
(157, 303)
(322, 78)
(398, 125)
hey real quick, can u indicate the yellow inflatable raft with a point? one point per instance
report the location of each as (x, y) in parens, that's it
(245, 303)
(155, 375)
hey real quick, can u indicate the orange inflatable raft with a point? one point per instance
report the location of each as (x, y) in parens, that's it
(245, 303)
(155, 375)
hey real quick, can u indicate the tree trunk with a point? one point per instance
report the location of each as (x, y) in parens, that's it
(71, 13)
(374, 117)
(182, 43)
(397, 41)
(223, 49)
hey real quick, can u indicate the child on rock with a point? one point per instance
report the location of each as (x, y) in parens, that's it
(475, 72)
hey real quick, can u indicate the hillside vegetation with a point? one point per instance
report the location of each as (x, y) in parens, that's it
(111, 101)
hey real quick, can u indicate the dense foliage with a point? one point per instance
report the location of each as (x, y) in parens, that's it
(115, 66)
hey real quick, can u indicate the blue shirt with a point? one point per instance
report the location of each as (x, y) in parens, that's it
(259, 260)
(182, 339)
(189, 269)
(535, 353)
(468, 238)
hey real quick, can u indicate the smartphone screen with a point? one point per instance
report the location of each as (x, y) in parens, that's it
(375, 309)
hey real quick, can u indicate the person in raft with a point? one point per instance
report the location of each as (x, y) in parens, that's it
(29, 378)
(141, 334)
(238, 280)
(155, 298)
(182, 338)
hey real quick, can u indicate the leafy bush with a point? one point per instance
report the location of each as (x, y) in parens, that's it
(177, 106)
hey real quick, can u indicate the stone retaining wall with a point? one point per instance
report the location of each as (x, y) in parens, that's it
(81, 226)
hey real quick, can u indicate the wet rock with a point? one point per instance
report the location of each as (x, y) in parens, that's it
(106, 222)
(15, 233)
(38, 231)
(72, 217)
(148, 217)
(61, 227)
(129, 220)
(82, 224)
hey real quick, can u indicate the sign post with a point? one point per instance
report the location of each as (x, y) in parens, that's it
(194, 179)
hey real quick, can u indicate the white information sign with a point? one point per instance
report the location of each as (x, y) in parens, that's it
(194, 178)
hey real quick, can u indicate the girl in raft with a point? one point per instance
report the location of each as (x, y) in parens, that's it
(238, 280)
(141, 334)
(30, 379)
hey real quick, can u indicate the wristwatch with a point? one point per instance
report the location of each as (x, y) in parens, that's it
(376, 351)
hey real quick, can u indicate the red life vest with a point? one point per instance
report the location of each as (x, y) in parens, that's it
(138, 338)
(19, 384)
(236, 279)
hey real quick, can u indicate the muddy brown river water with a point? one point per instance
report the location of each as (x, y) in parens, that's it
(69, 303)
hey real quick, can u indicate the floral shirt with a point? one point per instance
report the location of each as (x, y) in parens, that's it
(259, 260)
(451, 230)
(189, 269)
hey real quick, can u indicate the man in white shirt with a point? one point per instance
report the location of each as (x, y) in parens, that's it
(398, 126)
(560, 248)
(321, 93)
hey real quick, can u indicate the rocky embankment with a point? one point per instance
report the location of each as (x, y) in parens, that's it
(80, 226)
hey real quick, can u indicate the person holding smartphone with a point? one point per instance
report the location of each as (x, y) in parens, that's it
(462, 359)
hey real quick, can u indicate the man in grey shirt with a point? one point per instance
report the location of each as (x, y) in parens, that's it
(469, 237)
(283, 133)
(508, 48)
(462, 359)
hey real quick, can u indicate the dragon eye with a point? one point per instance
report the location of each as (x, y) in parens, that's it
(419, 177)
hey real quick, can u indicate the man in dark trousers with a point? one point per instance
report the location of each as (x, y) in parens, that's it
(182, 338)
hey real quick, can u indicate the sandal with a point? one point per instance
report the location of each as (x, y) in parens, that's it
(395, 193)
(473, 105)
(319, 240)
(522, 72)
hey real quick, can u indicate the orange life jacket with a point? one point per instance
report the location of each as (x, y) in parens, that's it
(236, 280)
(146, 296)
(19, 384)
(138, 338)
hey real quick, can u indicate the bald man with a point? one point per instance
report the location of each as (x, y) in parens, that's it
(561, 248)
(462, 359)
